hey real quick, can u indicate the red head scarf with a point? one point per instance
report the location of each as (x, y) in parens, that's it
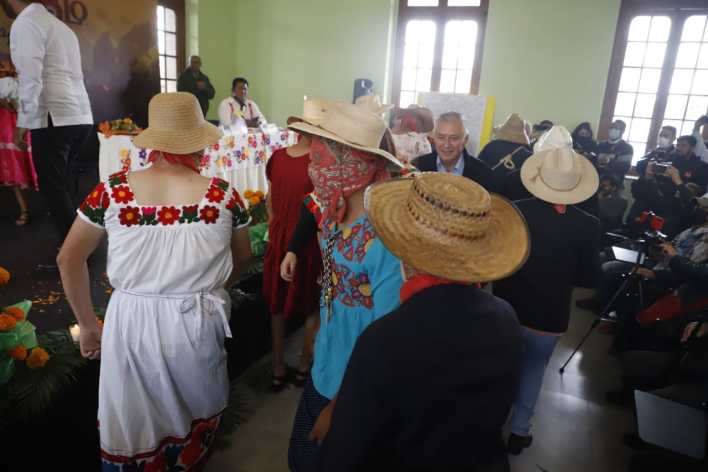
(188, 160)
(338, 171)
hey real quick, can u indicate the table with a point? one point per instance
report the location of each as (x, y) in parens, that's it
(239, 158)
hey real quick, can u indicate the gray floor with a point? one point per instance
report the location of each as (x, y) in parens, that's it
(574, 431)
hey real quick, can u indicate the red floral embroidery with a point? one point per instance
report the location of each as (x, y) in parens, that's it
(209, 214)
(122, 194)
(105, 200)
(95, 197)
(168, 215)
(129, 216)
(215, 194)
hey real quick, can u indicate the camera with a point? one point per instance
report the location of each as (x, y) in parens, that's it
(660, 169)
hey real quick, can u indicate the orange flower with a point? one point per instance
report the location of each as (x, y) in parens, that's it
(7, 323)
(19, 353)
(4, 276)
(37, 358)
(248, 194)
(260, 194)
(15, 312)
(254, 200)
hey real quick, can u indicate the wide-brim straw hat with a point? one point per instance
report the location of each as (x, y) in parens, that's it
(513, 130)
(373, 104)
(424, 117)
(449, 226)
(352, 125)
(313, 112)
(177, 125)
(555, 173)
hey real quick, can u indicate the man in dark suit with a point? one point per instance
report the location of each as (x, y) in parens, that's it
(450, 138)
(196, 82)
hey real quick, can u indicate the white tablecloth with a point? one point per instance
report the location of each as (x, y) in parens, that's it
(238, 158)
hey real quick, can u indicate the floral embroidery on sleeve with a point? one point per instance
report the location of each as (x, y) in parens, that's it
(95, 205)
(241, 217)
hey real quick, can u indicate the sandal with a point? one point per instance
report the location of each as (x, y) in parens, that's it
(23, 219)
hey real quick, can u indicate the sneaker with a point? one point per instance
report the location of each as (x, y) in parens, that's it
(518, 443)
(591, 304)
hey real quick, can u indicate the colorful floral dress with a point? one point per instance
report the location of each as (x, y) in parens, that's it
(163, 383)
(365, 283)
(16, 166)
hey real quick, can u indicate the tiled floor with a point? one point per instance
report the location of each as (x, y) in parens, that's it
(575, 430)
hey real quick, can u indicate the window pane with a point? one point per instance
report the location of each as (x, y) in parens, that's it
(650, 80)
(163, 86)
(422, 83)
(629, 82)
(463, 84)
(459, 44)
(408, 79)
(640, 148)
(161, 42)
(660, 28)
(170, 20)
(655, 55)
(171, 85)
(634, 54)
(687, 55)
(171, 67)
(163, 69)
(700, 83)
(681, 81)
(464, 3)
(639, 28)
(640, 129)
(410, 55)
(407, 99)
(645, 105)
(160, 18)
(687, 128)
(625, 104)
(171, 44)
(422, 3)
(697, 107)
(447, 80)
(703, 57)
(676, 106)
(693, 28)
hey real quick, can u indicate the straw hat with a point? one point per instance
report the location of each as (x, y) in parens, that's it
(449, 226)
(513, 130)
(177, 125)
(313, 112)
(557, 174)
(423, 116)
(351, 125)
(373, 104)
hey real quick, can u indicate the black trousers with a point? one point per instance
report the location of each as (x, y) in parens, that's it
(55, 151)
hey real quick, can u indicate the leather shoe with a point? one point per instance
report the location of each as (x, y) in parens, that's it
(518, 443)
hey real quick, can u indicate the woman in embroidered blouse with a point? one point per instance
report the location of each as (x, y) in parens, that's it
(163, 382)
(361, 278)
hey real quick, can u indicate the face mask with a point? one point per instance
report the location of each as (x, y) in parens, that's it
(614, 134)
(664, 143)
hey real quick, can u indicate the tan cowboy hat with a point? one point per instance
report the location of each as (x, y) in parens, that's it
(513, 130)
(373, 104)
(423, 116)
(177, 125)
(353, 126)
(449, 226)
(313, 112)
(557, 174)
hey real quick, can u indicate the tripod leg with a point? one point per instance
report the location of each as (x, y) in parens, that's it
(582, 341)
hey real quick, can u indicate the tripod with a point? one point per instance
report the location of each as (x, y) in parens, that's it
(629, 277)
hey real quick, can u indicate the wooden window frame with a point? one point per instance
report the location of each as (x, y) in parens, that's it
(440, 15)
(678, 11)
(180, 11)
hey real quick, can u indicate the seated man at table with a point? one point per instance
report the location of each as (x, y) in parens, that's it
(239, 106)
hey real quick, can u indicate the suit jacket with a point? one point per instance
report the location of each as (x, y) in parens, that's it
(188, 83)
(474, 169)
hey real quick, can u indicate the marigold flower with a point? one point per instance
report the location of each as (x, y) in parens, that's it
(7, 323)
(19, 353)
(37, 358)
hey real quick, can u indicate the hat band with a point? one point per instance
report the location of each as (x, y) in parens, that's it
(439, 204)
(438, 228)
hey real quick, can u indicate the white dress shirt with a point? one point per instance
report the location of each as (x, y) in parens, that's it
(230, 110)
(48, 61)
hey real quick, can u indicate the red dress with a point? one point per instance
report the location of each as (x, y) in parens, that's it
(289, 185)
(16, 167)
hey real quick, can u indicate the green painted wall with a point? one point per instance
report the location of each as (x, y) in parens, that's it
(549, 58)
(542, 58)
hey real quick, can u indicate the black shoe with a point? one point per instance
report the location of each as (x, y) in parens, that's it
(591, 304)
(518, 443)
(47, 267)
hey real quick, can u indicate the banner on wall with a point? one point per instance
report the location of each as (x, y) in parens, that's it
(477, 114)
(118, 43)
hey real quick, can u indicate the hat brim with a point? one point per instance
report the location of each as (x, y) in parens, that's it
(313, 130)
(586, 188)
(502, 250)
(179, 141)
(300, 119)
